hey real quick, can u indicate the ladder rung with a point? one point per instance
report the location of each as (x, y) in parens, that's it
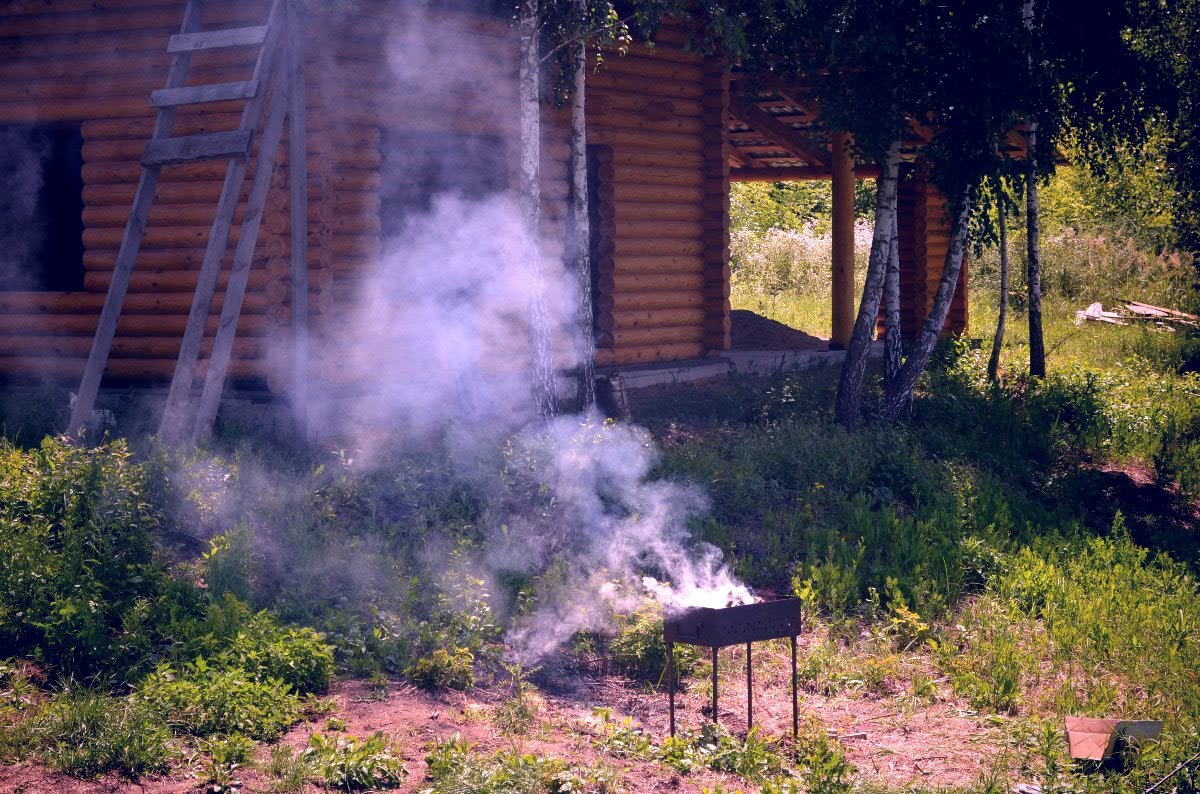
(195, 94)
(205, 146)
(215, 39)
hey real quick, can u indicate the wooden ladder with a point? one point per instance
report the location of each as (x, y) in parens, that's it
(183, 419)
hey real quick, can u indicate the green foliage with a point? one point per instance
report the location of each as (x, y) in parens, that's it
(454, 768)
(638, 649)
(80, 588)
(85, 733)
(298, 657)
(202, 698)
(353, 764)
(288, 769)
(449, 668)
(226, 756)
(756, 758)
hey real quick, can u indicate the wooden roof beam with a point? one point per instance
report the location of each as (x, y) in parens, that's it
(777, 132)
(797, 173)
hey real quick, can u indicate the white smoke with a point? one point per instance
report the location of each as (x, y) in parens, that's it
(437, 348)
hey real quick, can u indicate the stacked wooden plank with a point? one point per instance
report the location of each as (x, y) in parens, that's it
(662, 281)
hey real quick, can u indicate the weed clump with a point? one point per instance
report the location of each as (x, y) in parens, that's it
(86, 732)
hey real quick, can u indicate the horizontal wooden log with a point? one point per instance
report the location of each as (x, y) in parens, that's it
(609, 357)
(651, 247)
(185, 280)
(601, 101)
(184, 258)
(677, 194)
(611, 212)
(614, 284)
(656, 230)
(650, 264)
(134, 369)
(128, 326)
(122, 347)
(649, 318)
(651, 175)
(187, 215)
(651, 86)
(600, 123)
(636, 301)
(636, 337)
(659, 158)
(648, 68)
(157, 237)
(125, 19)
(90, 302)
(647, 139)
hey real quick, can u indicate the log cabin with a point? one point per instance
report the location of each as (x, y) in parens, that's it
(668, 130)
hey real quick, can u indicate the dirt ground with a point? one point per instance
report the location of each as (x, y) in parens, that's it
(751, 331)
(894, 740)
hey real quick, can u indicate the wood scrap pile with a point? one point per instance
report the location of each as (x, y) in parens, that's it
(1135, 313)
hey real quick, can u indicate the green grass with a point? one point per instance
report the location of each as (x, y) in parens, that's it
(812, 314)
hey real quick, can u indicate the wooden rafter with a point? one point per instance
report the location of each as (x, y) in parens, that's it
(789, 173)
(777, 132)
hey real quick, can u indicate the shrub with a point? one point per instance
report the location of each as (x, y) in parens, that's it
(204, 699)
(450, 668)
(354, 764)
(78, 577)
(454, 769)
(639, 650)
(226, 756)
(85, 732)
(298, 657)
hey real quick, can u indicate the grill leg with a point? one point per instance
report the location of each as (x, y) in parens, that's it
(795, 700)
(714, 662)
(749, 694)
(671, 684)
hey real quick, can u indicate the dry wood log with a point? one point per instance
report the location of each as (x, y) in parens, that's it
(646, 211)
(663, 50)
(651, 68)
(184, 258)
(624, 120)
(606, 100)
(156, 237)
(650, 318)
(166, 17)
(653, 230)
(646, 139)
(637, 337)
(168, 280)
(650, 264)
(188, 215)
(171, 193)
(615, 284)
(692, 176)
(651, 247)
(130, 325)
(609, 357)
(123, 347)
(70, 369)
(635, 301)
(178, 303)
(677, 194)
(645, 85)
(654, 159)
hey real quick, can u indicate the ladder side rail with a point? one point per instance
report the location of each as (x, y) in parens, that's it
(235, 291)
(175, 412)
(131, 241)
(298, 179)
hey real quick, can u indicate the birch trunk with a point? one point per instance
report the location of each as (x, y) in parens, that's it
(583, 230)
(1037, 343)
(541, 352)
(848, 407)
(993, 370)
(898, 394)
(892, 346)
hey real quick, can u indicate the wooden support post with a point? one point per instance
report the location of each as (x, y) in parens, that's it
(843, 242)
(298, 180)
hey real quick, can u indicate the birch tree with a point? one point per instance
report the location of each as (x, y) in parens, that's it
(893, 351)
(993, 369)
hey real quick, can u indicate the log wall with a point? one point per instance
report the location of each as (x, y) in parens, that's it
(655, 118)
(924, 228)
